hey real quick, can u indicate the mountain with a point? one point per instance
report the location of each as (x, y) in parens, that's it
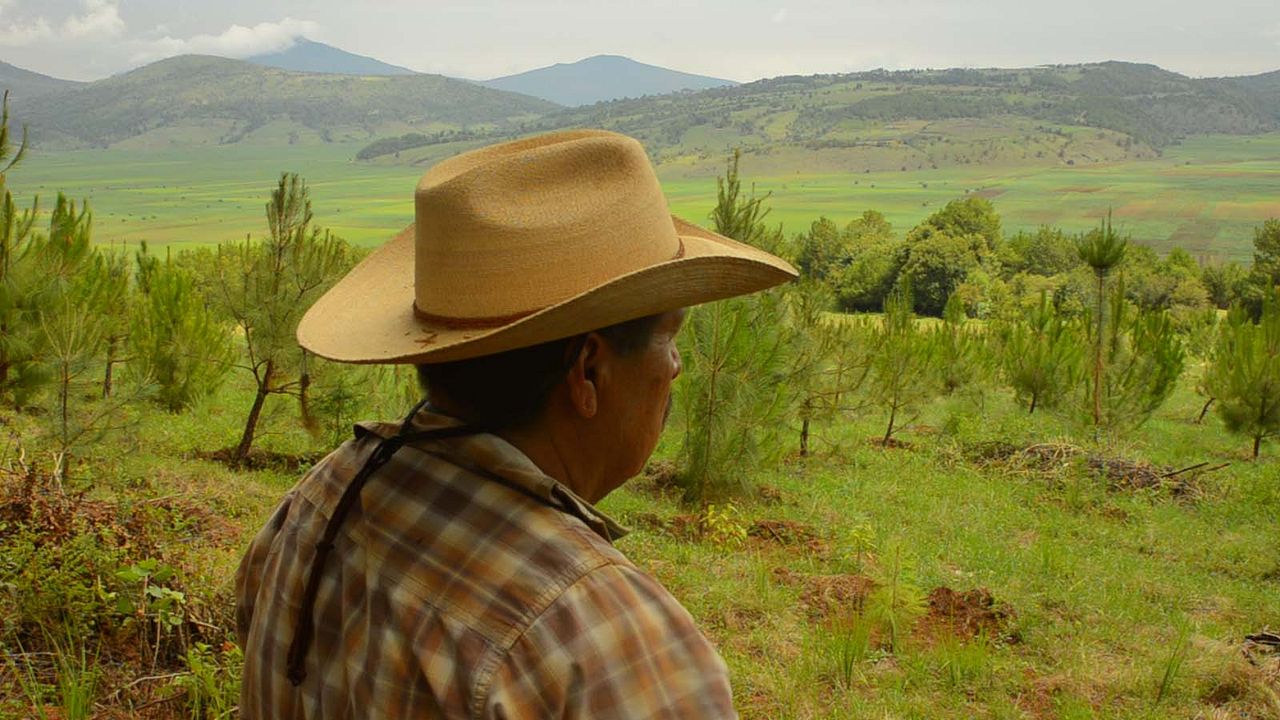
(907, 120)
(912, 119)
(310, 56)
(24, 84)
(1264, 88)
(193, 99)
(600, 78)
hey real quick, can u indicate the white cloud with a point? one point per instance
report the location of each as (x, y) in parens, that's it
(24, 34)
(235, 41)
(101, 19)
(780, 16)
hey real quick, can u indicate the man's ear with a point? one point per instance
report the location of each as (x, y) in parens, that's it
(583, 378)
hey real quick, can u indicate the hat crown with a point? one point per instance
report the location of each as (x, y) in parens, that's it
(511, 229)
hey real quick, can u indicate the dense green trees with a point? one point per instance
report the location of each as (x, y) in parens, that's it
(178, 342)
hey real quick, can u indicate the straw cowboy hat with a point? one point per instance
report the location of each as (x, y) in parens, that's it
(526, 242)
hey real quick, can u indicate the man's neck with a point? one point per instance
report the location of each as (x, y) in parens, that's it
(561, 455)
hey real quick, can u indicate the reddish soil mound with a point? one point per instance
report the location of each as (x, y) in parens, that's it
(971, 613)
(788, 533)
(783, 532)
(829, 598)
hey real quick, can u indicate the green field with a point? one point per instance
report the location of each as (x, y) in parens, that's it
(1205, 195)
(1094, 584)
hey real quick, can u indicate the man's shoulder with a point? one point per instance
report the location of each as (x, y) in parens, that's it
(450, 540)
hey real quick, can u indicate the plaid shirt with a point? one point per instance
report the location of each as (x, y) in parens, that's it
(449, 594)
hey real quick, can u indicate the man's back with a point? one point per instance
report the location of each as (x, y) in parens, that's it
(465, 583)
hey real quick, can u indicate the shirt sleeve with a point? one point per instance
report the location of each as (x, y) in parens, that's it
(249, 574)
(615, 644)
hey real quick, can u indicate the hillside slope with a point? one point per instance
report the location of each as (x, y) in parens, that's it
(310, 56)
(24, 84)
(909, 120)
(601, 78)
(204, 99)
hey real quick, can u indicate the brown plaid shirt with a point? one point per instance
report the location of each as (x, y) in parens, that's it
(449, 594)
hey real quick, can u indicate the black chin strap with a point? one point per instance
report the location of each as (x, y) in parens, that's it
(305, 628)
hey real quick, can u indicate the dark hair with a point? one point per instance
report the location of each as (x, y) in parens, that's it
(509, 390)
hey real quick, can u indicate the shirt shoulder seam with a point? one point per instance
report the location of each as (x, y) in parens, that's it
(498, 652)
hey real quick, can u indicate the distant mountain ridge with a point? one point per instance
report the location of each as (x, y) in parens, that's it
(919, 119)
(205, 99)
(602, 78)
(23, 84)
(310, 56)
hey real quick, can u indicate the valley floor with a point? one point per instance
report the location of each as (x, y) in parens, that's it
(1206, 195)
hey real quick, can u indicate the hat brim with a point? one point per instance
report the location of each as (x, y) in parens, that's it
(368, 316)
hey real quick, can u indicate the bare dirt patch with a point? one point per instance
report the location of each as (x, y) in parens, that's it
(969, 614)
(789, 534)
(834, 598)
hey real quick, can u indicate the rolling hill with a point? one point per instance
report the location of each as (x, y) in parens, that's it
(602, 78)
(310, 56)
(25, 84)
(908, 120)
(195, 99)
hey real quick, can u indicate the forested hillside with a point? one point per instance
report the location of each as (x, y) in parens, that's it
(200, 99)
(883, 120)
(26, 84)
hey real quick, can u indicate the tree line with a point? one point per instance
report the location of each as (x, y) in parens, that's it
(1090, 325)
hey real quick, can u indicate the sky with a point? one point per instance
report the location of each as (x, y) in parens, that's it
(734, 39)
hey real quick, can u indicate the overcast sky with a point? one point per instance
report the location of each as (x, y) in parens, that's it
(735, 39)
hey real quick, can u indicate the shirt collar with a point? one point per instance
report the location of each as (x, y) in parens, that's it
(490, 454)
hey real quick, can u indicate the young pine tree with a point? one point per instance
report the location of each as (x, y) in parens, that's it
(829, 360)
(266, 286)
(1244, 374)
(1102, 250)
(176, 341)
(732, 394)
(74, 322)
(963, 360)
(18, 375)
(903, 370)
(1040, 356)
(1144, 357)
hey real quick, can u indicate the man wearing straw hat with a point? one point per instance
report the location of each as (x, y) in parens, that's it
(453, 565)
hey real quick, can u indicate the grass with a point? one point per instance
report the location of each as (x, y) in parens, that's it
(1205, 195)
(1095, 578)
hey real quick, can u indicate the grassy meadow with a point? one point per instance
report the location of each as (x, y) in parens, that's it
(1205, 195)
(1078, 597)
(1030, 569)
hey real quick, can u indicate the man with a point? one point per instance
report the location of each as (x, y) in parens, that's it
(454, 565)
